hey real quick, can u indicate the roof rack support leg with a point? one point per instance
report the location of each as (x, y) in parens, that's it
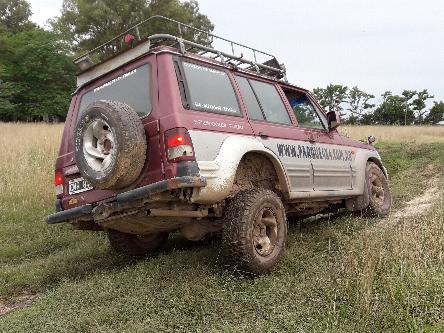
(138, 33)
(182, 46)
(221, 56)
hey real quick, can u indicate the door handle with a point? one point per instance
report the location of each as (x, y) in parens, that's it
(263, 135)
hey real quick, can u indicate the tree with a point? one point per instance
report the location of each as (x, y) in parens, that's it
(394, 110)
(407, 96)
(85, 24)
(358, 102)
(436, 114)
(14, 16)
(6, 107)
(331, 97)
(36, 77)
(419, 105)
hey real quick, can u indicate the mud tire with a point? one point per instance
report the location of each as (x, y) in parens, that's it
(129, 148)
(137, 246)
(380, 199)
(239, 251)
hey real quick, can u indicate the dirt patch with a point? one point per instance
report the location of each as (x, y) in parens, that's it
(417, 206)
(420, 204)
(18, 303)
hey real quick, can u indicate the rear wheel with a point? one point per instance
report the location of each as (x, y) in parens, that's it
(255, 231)
(136, 245)
(380, 199)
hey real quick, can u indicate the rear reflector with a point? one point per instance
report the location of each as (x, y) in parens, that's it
(180, 151)
(59, 190)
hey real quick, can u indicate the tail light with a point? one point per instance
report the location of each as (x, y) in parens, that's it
(178, 145)
(58, 182)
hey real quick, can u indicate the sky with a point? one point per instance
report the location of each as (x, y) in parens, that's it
(377, 45)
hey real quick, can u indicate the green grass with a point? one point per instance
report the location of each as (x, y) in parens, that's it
(339, 274)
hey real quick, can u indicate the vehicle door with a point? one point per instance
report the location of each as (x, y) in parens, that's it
(332, 163)
(273, 126)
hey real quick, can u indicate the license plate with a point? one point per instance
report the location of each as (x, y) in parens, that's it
(78, 185)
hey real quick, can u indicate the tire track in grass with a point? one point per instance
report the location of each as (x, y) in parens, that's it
(18, 303)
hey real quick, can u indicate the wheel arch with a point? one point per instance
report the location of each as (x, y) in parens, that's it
(379, 164)
(279, 170)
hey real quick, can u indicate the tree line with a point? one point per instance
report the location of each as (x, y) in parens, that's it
(37, 75)
(358, 107)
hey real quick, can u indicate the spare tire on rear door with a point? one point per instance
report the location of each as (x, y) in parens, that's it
(110, 145)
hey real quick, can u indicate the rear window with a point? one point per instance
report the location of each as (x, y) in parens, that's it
(132, 88)
(210, 90)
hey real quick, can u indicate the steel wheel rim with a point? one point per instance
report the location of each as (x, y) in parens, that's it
(376, 188)
(99, 145)
(265, 232)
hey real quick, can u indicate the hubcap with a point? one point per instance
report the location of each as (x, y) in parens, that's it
(265, 232)
(98, 145)
(376, 188)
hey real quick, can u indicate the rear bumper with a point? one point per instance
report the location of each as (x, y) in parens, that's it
(126, 197)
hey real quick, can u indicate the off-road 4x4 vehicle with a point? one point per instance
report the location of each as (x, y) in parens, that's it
(172, 134)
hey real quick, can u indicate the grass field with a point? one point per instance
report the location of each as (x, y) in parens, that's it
(394, 134)
(340, 273)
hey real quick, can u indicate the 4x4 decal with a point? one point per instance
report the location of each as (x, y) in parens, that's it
(208, 123)
(317, 153)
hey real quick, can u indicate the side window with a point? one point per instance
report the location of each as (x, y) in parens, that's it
(210, 90)
(304, 110)
(132, 88)
(271, 103)
(253, 107)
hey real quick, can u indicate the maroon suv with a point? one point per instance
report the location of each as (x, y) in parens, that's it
(174, 135)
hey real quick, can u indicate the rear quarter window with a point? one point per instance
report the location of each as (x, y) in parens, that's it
(210, 90)
(271, 102)
(132, 88)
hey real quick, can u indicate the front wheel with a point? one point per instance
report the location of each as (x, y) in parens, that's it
(254, 232)
(380, 198)
(136, 245)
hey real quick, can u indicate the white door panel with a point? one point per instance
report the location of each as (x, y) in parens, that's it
(332, 176)
(300, 176)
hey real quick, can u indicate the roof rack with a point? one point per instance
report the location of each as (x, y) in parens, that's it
(261, 62)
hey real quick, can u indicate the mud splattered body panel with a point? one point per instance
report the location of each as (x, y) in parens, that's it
(310, 170)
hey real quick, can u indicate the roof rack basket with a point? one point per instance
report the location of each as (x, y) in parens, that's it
(202, 44)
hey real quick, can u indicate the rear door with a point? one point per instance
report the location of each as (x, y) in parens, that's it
(273, 125)
(134, 84)
(332, 169)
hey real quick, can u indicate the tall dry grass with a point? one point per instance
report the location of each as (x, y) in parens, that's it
(27, 155)
(417, 134)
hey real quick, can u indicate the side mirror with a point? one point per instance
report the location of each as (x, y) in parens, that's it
(333, 120)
